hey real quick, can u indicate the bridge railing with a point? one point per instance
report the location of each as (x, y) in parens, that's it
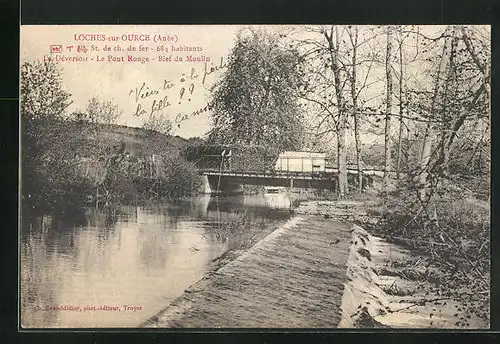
(268, 174)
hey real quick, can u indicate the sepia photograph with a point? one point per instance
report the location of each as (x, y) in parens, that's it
(255, 176)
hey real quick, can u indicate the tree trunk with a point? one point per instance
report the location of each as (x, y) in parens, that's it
(387, 132)
(441, 164)
(429, 134)
(448, 136)
(424, 162)
(355, 111)
(400, 136)
(341, 146)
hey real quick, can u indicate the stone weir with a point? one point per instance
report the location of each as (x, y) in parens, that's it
(294, 277)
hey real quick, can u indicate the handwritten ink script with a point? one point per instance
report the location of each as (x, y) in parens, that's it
(184, 117)
(150, 100)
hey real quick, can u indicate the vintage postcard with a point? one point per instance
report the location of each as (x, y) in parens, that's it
(255, 176)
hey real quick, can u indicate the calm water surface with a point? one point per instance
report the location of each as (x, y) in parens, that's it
(139, 256)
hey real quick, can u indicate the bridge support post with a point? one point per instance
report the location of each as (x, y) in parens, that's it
(224, 186)
(206, 185)
(291, 182)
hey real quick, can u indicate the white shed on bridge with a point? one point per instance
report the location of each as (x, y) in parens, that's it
(294, 161)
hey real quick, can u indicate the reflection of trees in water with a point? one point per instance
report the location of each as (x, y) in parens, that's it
(257, 205)
(51, 223)
(65, 228)
(154, 224)
(97, 244)
(235, 228)
(236, 220)
(55, 230)
(104, 217)
(183, 209)
(227, 204)
(46, 239)
(153, 250)
(38, 286)
(103, 221)
(156, 215)
(206, 208)
(126, 213)
(30, 225)
(170, 213)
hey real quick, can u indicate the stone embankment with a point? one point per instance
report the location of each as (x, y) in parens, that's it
(294, 277)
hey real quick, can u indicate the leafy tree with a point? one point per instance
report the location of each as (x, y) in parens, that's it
(42, 94)
(158, 123)
(255, 102)
(43, 102)
(99, 111)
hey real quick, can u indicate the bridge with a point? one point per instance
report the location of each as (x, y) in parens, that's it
(228, 180)
(309, 173)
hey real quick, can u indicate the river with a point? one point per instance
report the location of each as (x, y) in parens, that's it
(117, 267)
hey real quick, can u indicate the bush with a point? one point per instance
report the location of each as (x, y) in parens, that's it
(180, 178)
(73, 162)
(173, 178)
(50, 162)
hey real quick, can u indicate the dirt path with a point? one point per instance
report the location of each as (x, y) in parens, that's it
(294, 277)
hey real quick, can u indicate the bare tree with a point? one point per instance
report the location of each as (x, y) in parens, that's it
(334, 48)
(402, 100)
(429, 133)
(356, 87)
(353, 36)
(449, 135)
(389, 96)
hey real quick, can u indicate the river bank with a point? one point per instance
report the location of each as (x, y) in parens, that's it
(388, 285)
(383, 290)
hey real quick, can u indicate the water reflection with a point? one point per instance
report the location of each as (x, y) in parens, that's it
(136, 255)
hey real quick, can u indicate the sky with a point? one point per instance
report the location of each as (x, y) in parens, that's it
(118, 81)
(140, 89)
